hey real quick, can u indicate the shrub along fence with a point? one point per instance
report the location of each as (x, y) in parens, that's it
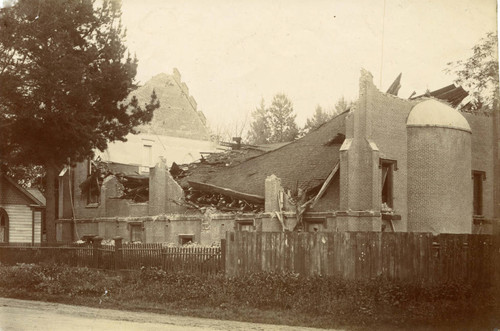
(206, 260)
(361, 255)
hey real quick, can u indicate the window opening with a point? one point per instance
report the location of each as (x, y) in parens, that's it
(147, 157)
(94, 190)
(245, 225)
(185, 239)
(478, 177)
(387, 184)
(4, 226)
(136, 232)
(315, 224)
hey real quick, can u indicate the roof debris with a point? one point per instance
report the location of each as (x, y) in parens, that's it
(135, 186)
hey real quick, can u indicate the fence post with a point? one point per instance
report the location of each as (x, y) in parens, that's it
(118, 252)
(223, 254)
(96, 245)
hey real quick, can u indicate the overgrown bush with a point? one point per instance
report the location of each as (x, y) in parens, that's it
(344, 302)
(56, 279)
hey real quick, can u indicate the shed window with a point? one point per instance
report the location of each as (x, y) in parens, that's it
(478, 177)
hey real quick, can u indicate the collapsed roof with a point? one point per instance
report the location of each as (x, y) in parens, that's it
(302, 164)
(452, 94)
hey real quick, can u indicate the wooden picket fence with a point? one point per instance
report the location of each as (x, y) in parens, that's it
(351, 255)
(77, 255)
(207, 260)
(358, 255)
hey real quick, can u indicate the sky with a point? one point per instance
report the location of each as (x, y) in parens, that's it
(233, 53)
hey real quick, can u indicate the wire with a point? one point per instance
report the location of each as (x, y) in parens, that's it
(382, 50)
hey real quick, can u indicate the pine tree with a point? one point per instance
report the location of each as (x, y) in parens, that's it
(341, 106)
(320, 117)
(64, 76)
(259, 128)
(281, 120)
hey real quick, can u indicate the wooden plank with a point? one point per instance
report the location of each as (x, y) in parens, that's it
(330, 251)
(281, 251)
(376, 270)
(362, 255)
(258, 252)
(252, 251)
(387, 255)
(298, 260)
(341, 248)
(326, 184)
(305, 253)
(215, 189)
(272, 251)
(288, 252)
(350, 255)
(244, 252)
(263, 254)
(323, 253)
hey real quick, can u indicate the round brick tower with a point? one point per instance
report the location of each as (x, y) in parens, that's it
(439, 169)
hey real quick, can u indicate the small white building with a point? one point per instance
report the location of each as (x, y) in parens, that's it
(22, 213)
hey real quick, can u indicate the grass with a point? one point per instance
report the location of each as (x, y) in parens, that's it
(285, 299)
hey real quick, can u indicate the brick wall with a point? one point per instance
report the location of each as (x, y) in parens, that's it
(389, 116)
(178, 114)
(482, 157)
(439, 180)
(207, 229)
(382, 135)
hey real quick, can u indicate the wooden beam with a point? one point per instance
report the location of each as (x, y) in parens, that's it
(215, 189)
(326, 184)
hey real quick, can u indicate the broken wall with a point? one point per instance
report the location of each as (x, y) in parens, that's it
(165, 194)
(206, 229)
(389, 114)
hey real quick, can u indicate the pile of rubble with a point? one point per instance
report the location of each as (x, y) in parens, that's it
(202, 200)
(135, 187)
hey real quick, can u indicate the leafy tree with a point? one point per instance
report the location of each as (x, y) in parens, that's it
(259, 128)
(64, 76)
(27, 175)
(479, 73)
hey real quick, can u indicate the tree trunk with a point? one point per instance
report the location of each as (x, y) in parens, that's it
(50, 209)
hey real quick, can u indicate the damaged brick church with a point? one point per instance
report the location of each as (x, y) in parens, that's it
(386, 164)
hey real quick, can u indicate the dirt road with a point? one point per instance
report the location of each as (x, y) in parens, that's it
(33, 315)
